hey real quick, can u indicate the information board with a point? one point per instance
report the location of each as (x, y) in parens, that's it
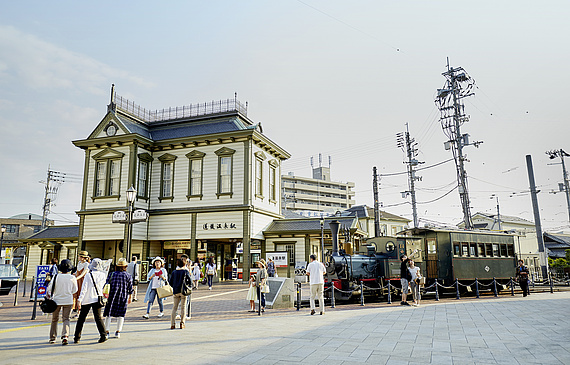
(41, 285)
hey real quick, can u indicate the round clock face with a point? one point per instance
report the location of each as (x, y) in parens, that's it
(111, 130)
(390, 246)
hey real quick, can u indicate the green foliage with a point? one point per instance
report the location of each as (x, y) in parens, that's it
(558, 263)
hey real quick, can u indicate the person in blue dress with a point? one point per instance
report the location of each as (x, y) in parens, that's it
(120, 290)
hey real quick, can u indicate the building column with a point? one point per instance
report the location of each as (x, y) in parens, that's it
(307, 247)
(246, 245)
(193, 241)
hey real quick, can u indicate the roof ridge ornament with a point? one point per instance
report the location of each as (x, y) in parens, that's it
(112, 105)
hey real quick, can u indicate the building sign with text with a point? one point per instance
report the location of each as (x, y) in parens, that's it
(279, 258)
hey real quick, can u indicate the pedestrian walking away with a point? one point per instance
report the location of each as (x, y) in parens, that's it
(187, 267)
(157, 277)
(210, 271)
(316, 271)
(260, 280)
(80, 271)
(522, 277)
(89, 299)
(181, 283)
(61, 290)
(120, 290)
(270, 267)
(405, 277)
(195, 275)
(251, 294)
(133, 271)
(415, 281)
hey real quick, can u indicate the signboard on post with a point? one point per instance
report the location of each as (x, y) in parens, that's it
(279, 258)
(41, 285)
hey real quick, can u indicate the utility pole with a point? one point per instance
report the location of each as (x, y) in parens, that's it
(458, 86)
(52, 183)
(564, 187)
(498, 219)
(408, 145)
(534, 198)
(376, 202)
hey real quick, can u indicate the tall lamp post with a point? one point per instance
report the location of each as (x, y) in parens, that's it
(322, 239)
(2, 240)
(131, 195)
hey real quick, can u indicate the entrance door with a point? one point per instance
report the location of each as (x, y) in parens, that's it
(431, 261)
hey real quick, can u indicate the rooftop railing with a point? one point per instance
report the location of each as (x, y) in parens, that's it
(187, 111)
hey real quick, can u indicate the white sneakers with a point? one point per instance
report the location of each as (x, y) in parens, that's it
(160, 315)
(145, 316)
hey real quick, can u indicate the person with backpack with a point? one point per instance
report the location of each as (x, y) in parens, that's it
(61, 290)
(181, 287)
(210, 271)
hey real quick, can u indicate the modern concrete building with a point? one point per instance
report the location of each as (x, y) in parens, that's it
(316, 196)
(206, 174)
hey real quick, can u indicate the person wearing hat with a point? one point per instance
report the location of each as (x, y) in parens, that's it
(120, 289)
(89, 299)
(61, 290)
(260, 279)
(81, 270)
(157, 278)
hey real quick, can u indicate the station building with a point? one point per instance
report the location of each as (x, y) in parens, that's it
(207, 175)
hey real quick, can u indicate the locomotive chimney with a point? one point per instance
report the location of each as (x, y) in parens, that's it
(334, 226)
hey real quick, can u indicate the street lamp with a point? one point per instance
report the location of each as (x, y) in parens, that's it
(2, 238)
(131, 195)
(322, 239)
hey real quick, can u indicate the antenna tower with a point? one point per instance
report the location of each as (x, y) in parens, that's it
(565, 186)
(449, 100)
(408, 145)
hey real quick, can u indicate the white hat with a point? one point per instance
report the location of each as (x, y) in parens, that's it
(96, 265)
(157, 258)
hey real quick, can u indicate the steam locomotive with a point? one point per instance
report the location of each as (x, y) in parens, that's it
(442, 254)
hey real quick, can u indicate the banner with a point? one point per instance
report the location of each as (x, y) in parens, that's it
(279, 258)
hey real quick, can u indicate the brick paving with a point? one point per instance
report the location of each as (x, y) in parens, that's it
(513, 330)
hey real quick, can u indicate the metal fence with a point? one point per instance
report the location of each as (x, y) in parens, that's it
(187, 111)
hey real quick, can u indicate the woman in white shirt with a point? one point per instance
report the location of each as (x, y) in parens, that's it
(89, 299)
(415, 284)
(157, 278)
(195, 274)
(210, 271)
(65, 287)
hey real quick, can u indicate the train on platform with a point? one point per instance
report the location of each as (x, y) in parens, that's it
(442, 254)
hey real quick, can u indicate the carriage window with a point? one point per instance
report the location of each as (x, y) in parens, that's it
(432, 248)
(465, 249)
(473, 249)
(495, 250)
(456, 251)
(504, 250)
(488, 250)
(511, 250)
(481, 251)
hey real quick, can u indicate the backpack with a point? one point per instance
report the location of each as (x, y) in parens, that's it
(186, 285)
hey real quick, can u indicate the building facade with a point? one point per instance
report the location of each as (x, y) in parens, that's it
(19, 227)
(316, 196)
(205, 173)
(390, 224)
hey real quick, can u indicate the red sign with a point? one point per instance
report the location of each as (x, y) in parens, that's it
(41, 290)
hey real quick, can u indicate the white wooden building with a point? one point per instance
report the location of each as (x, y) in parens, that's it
(206, 174)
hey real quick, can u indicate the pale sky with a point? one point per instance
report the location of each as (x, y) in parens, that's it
(339, 78)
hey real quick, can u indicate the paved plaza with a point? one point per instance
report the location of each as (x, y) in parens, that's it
(503, 330)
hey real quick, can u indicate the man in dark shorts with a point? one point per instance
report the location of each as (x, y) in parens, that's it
(522, 276)
(405, 276)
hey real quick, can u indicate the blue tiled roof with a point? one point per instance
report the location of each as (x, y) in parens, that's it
(55, 232)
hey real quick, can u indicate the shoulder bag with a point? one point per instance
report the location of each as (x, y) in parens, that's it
(164, 291)
(186, 285)
(101, 300)
(49, 305)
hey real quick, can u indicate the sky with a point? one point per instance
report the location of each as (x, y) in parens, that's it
(336, 78)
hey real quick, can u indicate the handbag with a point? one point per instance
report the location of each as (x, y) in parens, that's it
(101, 300)
(164, 291)
(49, 305)
(265, 288)
(211, 271)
